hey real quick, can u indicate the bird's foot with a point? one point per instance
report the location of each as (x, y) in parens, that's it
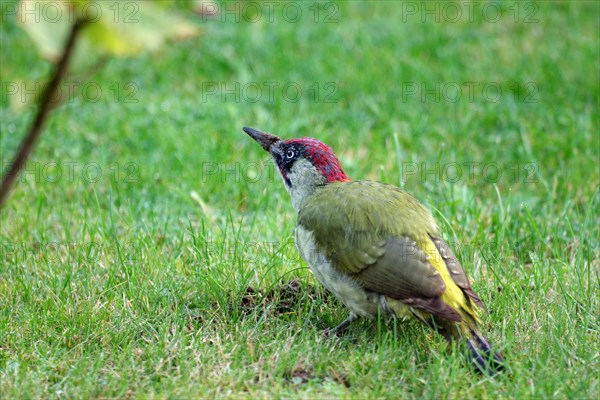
(342, 328)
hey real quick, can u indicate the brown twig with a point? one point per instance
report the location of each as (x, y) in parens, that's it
(46, 103)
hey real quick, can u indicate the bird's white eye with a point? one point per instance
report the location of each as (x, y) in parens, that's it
(290, 154)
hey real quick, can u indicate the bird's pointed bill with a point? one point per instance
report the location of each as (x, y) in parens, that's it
(266, 140)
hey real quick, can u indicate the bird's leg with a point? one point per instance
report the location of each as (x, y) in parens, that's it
(343, 327)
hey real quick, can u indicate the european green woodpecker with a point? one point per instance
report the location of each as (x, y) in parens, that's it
(376, 247)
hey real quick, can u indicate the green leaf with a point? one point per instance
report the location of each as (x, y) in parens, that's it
(116, 28)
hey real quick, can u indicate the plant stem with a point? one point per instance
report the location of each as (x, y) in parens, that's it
(46, 104)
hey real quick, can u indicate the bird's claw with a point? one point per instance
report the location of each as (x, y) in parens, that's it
(342, 328)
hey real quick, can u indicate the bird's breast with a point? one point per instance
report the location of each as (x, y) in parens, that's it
(358, 300)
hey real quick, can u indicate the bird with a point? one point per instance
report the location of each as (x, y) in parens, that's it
(377, 248)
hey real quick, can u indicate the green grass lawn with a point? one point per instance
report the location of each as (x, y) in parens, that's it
(147, 250)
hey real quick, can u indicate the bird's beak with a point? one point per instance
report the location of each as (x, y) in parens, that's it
(266, 140)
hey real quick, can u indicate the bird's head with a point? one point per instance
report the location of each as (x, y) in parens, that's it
(304, 163)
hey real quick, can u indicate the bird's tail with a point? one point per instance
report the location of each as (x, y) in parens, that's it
(486, 360)
(466, 334)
